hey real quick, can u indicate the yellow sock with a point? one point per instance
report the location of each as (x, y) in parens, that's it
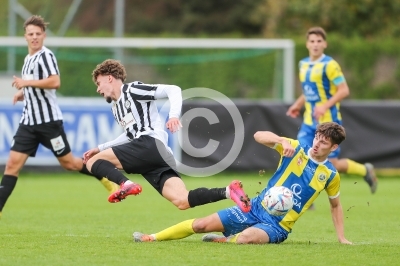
(109, 185)
(354, 168)
(178, 231)
(233, 239)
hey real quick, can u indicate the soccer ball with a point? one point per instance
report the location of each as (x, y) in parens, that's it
(278, 201)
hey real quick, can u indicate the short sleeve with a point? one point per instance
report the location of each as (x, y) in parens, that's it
(334, 73)
(333, 187)
(279, 148)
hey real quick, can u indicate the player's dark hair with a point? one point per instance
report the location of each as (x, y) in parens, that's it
(332, 131)
(317, 31)
(37, 21)
(109, 67)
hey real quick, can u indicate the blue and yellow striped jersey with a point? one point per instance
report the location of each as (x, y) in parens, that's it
(319, 80)
(305, 177)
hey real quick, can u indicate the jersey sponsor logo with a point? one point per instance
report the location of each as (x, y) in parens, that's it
(310, 94)
(309, 169)
(27, 77)
(127, 121)
(296, 189)
(58, 144)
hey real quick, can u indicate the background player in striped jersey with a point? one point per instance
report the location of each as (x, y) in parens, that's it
(41, 121)
(304, 169)
(324, 86)
(142, 148)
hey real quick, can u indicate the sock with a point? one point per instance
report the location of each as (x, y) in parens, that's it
(178, 231)
(7, 186)
(105, 168)
(110, 186)
(201, 196)
(355, 168)
(232, 239)
(85, 171)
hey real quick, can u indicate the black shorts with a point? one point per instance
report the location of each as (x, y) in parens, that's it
(150, 158)
(51, 135)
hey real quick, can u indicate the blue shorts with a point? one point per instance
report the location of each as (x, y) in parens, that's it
(306, 136)
(235, 221)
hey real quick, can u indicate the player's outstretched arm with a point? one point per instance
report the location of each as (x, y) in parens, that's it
(337, 217)
(270, 139)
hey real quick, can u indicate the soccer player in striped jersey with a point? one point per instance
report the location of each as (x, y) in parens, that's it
(324, 86)
(303, 169)
(41, 120)
(142, 148)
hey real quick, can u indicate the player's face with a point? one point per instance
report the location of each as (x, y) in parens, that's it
(316, 46)
(321, 148)
(104, 87)
(34, 36)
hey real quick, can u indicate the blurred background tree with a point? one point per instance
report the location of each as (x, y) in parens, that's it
(362, 35)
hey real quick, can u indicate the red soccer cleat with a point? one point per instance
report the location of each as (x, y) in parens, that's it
(124, 191)
(238, 196)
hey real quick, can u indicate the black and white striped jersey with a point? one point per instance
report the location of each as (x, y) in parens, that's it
(40, 105)
(136, 110)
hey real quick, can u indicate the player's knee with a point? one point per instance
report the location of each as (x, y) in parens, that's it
(200, 226)
(181, 204)
(13, 166)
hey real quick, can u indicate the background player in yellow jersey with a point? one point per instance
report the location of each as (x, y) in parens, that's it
(304, 169)
(324, 86)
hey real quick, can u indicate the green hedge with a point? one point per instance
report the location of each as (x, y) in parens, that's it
(370, 67)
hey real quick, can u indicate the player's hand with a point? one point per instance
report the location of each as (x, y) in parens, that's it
(293, 111)
(18, 83)
(173, 124)
(345, 241)
(89, 154)
(319, 111)
(18, 97)
(288, 149)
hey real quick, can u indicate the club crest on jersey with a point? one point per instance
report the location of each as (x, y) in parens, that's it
(127, 104)
(321, 177)
(299, 161)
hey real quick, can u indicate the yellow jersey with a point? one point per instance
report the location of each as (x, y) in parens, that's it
(319, 80)
(305, 177)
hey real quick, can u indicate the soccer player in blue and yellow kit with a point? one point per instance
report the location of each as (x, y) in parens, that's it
(324, 86)
(304, 169)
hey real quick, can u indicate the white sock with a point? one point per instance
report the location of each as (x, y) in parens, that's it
(227, 193)
(128, 182)
(153, 236)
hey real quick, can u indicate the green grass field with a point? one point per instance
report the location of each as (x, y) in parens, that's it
(65, 219)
